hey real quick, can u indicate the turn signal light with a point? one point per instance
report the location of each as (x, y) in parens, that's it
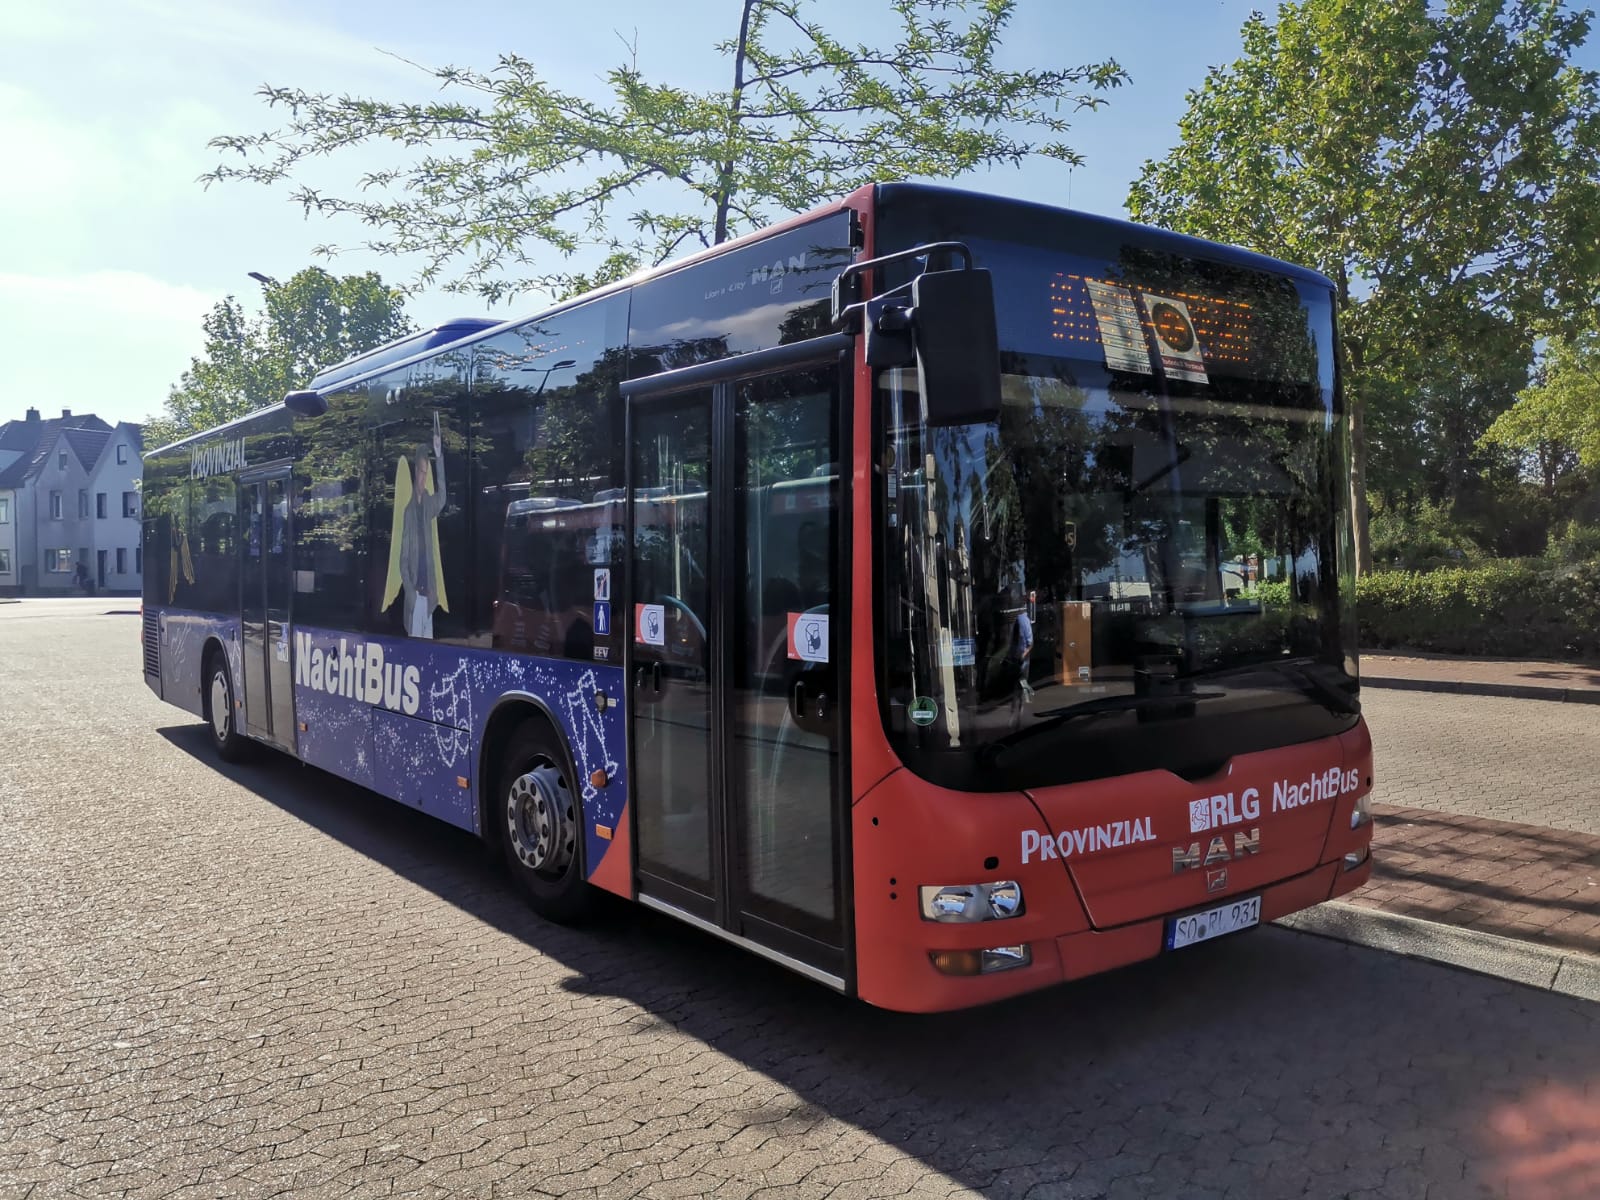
(598, 779)
(981, 962)
(957, 962)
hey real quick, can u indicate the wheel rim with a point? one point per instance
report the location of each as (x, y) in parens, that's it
(542, 821)
(221, 707)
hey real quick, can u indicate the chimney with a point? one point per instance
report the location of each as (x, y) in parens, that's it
(65, 413)
(33, 416)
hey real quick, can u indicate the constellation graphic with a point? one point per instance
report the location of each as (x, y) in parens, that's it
(588, 734)
(450, 702)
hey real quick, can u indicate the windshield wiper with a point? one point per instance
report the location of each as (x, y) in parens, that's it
(1102, 706)
(1303, 669)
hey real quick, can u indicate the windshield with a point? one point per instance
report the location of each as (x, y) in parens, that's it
(1144, 562)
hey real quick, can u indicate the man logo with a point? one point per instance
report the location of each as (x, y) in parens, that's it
(1216, 881)
(1187, 858)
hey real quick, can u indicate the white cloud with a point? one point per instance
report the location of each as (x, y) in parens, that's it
(117, 341)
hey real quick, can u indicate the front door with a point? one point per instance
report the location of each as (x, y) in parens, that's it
(736, 575)
(264, 610)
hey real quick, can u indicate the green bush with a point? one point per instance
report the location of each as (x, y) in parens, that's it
(1422, 536)
(1574, 542)
(1506, 608)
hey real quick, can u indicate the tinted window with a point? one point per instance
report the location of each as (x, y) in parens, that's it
(769, 294)
(418, 584)
(330, 560)
(548, 441)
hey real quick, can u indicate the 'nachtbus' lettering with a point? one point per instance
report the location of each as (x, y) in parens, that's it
(357, 672)
(1324, 785)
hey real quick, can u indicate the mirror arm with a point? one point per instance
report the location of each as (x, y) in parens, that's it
(848, 285)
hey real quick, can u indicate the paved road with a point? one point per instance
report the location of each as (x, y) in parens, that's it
(259, 981)
(1534, 761)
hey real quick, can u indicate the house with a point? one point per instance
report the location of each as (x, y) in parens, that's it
(69, 499)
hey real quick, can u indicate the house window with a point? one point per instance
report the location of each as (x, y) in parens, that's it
(58, 562)
(138, 560)
(61, 461)
(83, 505)
(100, 505)
(5, 561)
(122, 454)
(5, 510)
(122, 561)
(55, 506)
(130, 504)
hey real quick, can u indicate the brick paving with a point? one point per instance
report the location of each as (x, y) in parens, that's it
(258, 981)
(1489, 814)
(1519, 881)
(1529, 678)
(1524, 761)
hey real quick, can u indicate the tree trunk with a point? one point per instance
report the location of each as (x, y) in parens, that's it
(1350, 367)
(725, 172)
(1360, 515)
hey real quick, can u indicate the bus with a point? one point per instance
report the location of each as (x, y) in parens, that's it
(941, 595)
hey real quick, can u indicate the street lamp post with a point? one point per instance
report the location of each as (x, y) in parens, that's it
(545, 378)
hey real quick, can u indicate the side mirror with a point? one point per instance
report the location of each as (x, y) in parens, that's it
(306, 404)
(958, 349)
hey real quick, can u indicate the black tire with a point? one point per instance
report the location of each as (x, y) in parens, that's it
(537, 815)
(230, 745)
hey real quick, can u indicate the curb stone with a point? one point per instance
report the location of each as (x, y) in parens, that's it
(1516, 691)
(1566, 972)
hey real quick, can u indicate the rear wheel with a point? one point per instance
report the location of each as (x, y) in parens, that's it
(539, 820)
(221, 712)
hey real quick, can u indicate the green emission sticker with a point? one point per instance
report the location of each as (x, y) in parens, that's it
(923, 710)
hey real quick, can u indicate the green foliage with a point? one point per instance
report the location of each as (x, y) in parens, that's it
(313, 320)
(1441, 163)
(1422, 536)
(1555, 422)
(1501, 608)
(512, 168)
(1574, 542)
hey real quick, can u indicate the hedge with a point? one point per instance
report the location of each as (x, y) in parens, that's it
(1511, 609)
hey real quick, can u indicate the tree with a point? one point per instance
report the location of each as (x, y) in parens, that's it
(314, 320)
(1441, 163)
(512, 169)
(1556, 419)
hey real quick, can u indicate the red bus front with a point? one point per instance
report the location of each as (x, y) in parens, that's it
(1112, 711)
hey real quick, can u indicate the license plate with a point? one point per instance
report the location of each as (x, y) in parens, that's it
(1214, 922)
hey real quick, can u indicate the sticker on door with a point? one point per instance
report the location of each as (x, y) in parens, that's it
(650, 624)
(808, 637)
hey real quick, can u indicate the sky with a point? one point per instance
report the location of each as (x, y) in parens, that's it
(111, 252)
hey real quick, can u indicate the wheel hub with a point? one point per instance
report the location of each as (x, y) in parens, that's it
(542, 820)
(220, 714)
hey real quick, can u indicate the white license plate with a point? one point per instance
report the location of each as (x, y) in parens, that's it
(1214, 922)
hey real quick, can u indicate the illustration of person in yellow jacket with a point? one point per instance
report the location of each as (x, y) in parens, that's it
(419, 498)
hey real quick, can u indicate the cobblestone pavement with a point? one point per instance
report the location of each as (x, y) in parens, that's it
(258, 981)
(1519, 881)
(1531, 761)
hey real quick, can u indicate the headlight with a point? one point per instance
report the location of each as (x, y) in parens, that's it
(1362, 813)
(965, 902)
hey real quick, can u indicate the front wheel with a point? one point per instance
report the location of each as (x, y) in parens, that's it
(540, 824)
(230, 744)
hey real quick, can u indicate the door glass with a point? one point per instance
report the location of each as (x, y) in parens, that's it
(276, 565)
(785, 663)
(671, 650)
(252, 614)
